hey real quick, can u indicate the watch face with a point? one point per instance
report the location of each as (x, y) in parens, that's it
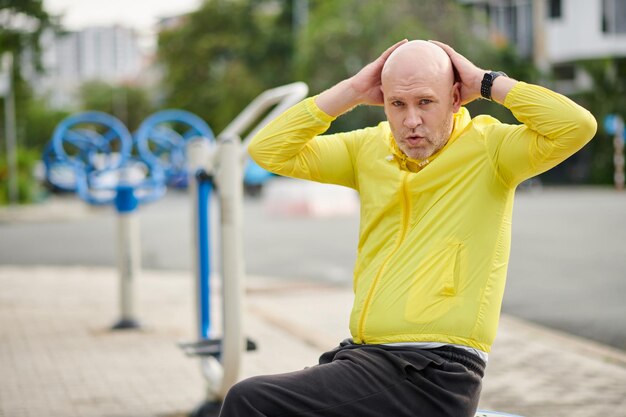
(485, 85)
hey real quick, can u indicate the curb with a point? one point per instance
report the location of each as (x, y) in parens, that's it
(55, 208)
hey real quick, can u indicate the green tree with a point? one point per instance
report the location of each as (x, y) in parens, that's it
(22, 23)
(607, 96)
(342, 37)
(28, 189)
(130, 104)
(39, 122)
(225, 54)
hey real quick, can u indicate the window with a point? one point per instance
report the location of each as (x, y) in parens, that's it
(614, 16)
(554, 9)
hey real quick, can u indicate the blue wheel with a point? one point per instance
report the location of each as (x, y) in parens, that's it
(162, 138)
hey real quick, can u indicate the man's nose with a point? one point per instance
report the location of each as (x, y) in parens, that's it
(412, 119)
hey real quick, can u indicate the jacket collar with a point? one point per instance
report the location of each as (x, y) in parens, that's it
(461, 119)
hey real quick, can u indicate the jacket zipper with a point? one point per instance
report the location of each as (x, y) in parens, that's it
(405, 222)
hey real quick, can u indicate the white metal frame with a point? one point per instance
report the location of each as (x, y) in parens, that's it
(226, 164)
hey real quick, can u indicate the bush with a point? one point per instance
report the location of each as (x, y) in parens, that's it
(29, 189)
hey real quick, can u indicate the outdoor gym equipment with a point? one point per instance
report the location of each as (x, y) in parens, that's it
(162, 139)
(216, 169)
(97, 147)
(59, 172)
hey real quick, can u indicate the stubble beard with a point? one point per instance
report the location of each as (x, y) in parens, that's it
(434, 145)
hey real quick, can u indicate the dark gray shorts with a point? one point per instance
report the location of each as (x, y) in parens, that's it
(367, 381)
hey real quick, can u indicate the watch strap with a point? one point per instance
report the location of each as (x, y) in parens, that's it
(487, 83)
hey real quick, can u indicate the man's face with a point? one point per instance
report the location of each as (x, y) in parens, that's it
(420, 113)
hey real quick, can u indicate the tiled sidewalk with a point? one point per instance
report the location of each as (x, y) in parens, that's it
(58, 358)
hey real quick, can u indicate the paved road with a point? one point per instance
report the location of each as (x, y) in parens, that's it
(567, 270)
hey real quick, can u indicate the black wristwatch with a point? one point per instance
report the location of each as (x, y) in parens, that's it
(485, 85)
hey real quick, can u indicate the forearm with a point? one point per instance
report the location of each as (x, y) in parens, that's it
(285, 146)
(553, 128)
(500, 88)
(551, 114)
(338, 99)
(362, 88)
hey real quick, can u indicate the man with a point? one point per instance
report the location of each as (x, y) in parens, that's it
(436, 190)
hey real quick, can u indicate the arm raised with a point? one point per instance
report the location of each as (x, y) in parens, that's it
(471, 77)
(362, 88)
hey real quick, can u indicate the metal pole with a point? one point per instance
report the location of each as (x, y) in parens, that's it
(200, 156)
(200, 169)
(11, 137)
(205, 187)
(128, 255)
(228, 172)
(618, 157)
(231, 206)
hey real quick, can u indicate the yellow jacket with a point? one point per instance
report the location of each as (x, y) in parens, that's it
(435, 235)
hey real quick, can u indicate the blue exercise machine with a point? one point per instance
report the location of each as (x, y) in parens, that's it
(216, 172)
(162, 138)
(95, 151)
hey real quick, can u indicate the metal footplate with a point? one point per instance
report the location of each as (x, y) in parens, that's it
(210, 347)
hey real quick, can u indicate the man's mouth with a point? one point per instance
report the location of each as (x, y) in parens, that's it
(415, 140)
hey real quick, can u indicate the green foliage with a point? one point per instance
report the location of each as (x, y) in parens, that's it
(229, 51)
(130, 104)
(16, 39)
(32, 119)
(224, 55)
(344, 36)
(39, 123)
(29, 189)
(607, 96)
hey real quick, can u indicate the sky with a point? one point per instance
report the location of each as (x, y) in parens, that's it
(139, 14)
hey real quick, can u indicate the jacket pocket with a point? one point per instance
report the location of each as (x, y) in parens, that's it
(435, 286)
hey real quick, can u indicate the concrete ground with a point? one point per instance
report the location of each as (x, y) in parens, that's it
(59, 358)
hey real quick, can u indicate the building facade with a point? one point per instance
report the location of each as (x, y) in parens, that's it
(556, 34)
(110, 54)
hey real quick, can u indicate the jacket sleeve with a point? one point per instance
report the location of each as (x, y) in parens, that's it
(292, 145)
(553, 128)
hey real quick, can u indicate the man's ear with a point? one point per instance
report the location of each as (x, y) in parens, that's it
(456, 96)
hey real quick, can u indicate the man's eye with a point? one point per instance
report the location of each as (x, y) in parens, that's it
(397, 103)
(425, 101)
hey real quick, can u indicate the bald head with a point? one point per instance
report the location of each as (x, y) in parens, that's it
(420, 97)
(418, 61)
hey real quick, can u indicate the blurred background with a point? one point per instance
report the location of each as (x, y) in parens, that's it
(212, 57)
(132, 58)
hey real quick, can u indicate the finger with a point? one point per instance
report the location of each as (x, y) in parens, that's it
(392, 48)
(452, 54)
(447, 48)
